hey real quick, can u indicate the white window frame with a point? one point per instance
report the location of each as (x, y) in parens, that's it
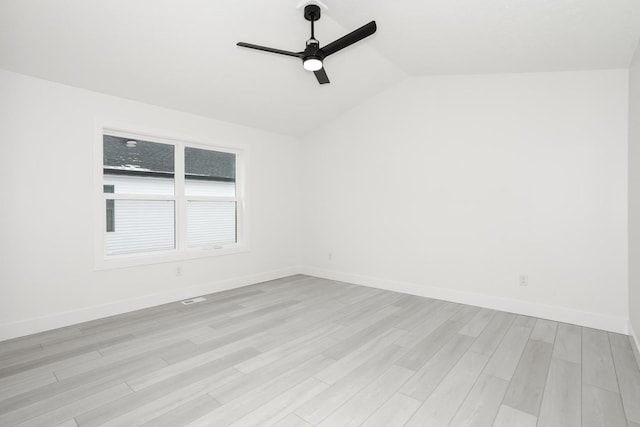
(181, 251)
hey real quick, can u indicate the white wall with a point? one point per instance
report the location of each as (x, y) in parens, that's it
(634, 196)
(442, 186)
(47, 278)
(454, 186)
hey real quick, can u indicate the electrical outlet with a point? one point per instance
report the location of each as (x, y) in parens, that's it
(524, 280)
(178, 271)
(329, 256)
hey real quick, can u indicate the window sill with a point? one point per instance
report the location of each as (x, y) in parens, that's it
(141, 259)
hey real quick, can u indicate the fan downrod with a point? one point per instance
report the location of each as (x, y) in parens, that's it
(312, 12)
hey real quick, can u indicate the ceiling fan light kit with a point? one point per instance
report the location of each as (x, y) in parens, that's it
(313, 55)
(312, 64)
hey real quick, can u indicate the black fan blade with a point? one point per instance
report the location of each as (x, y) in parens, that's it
(321, 75)
(269, 49)
(349, 39)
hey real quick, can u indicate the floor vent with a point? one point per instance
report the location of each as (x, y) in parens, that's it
(193, 300)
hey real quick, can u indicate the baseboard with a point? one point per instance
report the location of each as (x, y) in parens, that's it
(559, 314)
(59, 320)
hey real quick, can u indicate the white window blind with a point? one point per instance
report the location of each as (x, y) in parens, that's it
(142, 226)
(210, 223)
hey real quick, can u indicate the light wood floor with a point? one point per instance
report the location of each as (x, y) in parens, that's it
(303, 351)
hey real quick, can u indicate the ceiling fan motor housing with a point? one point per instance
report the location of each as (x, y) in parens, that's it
(312, 12)
(313, 49)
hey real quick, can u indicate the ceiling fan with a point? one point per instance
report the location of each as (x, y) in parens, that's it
(314, 55)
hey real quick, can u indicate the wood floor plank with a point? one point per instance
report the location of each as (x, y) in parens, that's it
(248, 324)
(488, 340)
(427, 378)
(95, 340)
(357, 340)
(292, 420)
(145, 405)
(48, 369)
(321, 406)
(77, 407)
(95, 364)
(282, 405)
(505, 359)
(359, 294)
(181, 330)
(59, 355)
(118, 371)
(441, 406)
(217, 371)
(364, 322)
(146, 410)
(255, 330)
(185, 413)
(525, 321)
(26, 385)
(480, 321)
(482, 403)
(395, 412)
(601, 408)
(177, 331)
(359, 407)
(247, 382)
(568, 344)
(464, 314)
(511, 417)
(298, 330)
(561, 402)
(597, 362)
(628, 375)
(211, 362)
(545, 331)
(527, 385)
(52, 396)
(350, 362)
(10, 353)
(413, 317)
(636, 350)
(424, 350)
(312, 337)
(32, 341)
(261, 394)
(412, 304)
(369, 306)
(428, 324)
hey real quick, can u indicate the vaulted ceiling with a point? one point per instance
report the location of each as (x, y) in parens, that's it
(182, 54)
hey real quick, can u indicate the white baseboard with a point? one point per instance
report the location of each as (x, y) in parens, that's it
(559, 314)
(58, 320)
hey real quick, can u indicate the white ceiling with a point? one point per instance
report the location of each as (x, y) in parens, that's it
(181, 54)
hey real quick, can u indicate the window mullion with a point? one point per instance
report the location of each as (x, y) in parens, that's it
(181, 204)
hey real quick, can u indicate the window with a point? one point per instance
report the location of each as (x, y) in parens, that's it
(210, 190)
(168, 199)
